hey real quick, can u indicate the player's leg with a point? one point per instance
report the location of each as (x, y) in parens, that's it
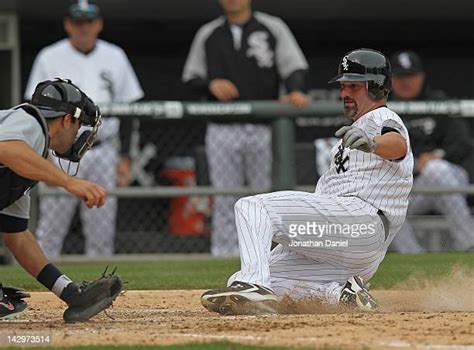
(225, 159)
(84, 300)
(442, 173)
(55, 216)
(263, 218)
(99, 225)
(298, 276)
(258, 155)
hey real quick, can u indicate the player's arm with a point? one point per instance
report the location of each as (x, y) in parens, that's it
(23, 160)
(18, 156)
(391, 145)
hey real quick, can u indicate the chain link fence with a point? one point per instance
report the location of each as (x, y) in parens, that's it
(235, 156)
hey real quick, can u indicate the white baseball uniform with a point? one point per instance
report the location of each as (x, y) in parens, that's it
(358, 189)
(105, 75)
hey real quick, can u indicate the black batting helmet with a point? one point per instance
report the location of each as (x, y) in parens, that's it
(367, 65)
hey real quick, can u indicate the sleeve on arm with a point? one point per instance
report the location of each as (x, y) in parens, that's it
(198, 87)
(392, 125)
(125, 131)
(129, 89)
(196, 66)
(289, 56)
(296, 81)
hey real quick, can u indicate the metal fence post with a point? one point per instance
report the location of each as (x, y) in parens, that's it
(283, 144)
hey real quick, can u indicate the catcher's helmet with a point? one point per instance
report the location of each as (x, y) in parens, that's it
(58, 97)
(367, 65)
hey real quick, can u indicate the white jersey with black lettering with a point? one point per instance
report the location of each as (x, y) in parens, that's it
(105, 75)
(382, 183)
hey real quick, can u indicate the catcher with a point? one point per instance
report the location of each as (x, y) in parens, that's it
(58, 109)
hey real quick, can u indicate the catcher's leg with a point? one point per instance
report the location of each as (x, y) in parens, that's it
(84, 300)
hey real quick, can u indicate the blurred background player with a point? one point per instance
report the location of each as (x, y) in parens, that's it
(442, 148)
(104, 72)
(243, 55)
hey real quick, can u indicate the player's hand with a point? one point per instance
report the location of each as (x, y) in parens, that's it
(124, 172)
(92, 194)
(223, 89)
(296, 98)
(355, 138)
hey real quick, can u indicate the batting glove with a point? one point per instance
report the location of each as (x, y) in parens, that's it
(355, 138)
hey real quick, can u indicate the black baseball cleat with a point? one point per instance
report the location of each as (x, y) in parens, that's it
(356, 294)
(11, 302)
(240, 298)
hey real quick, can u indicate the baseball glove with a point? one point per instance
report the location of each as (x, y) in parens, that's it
(88, 298)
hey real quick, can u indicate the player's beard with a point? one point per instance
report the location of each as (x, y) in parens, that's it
(350, 109)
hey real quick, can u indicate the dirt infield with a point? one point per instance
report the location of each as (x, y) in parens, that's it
(408, 319)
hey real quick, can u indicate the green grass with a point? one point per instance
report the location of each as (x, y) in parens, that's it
(213, 273)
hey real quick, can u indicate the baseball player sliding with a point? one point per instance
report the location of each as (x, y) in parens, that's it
(329, 241)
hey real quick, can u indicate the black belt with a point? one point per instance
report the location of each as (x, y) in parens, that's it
(384, 222)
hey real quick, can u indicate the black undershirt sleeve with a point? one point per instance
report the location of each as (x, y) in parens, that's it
(296, 81)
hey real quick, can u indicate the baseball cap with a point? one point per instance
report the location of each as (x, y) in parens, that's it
(84, 10)
(405, 63)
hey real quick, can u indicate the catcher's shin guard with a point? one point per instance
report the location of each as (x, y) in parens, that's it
(88, 298)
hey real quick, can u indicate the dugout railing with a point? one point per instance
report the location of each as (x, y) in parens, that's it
(284, 120)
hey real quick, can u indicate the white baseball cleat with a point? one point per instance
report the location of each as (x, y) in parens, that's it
(240, 298)
(355, 293)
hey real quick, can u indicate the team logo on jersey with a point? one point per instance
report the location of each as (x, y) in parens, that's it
(259, 47)
(345, 64)
(340, 160)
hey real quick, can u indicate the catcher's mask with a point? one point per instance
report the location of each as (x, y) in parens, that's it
(58, 97)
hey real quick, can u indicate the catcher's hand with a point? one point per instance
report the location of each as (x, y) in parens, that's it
(355, 138)
(88, 298)
(13, 293)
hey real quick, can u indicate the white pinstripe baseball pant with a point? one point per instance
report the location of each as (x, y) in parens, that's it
(317, 271)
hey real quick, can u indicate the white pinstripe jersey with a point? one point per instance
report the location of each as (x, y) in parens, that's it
(383, 183)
